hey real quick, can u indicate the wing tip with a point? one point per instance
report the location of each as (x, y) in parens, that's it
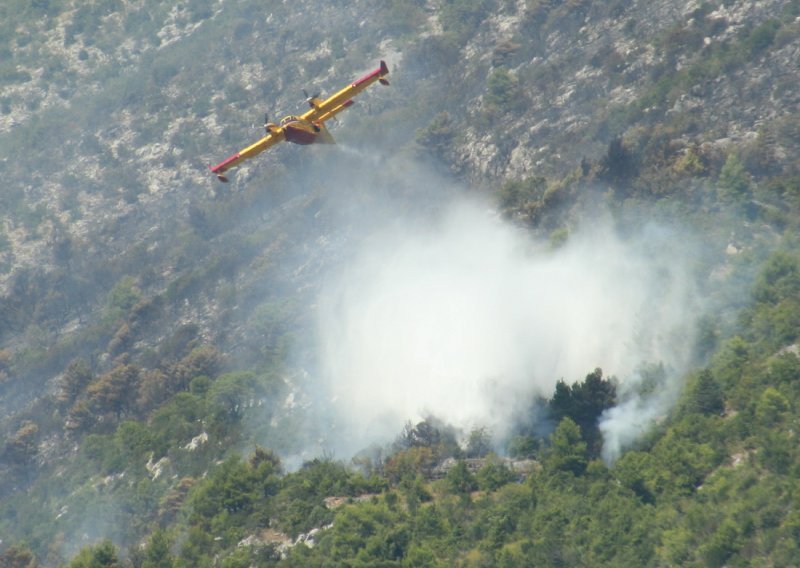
(224, 166)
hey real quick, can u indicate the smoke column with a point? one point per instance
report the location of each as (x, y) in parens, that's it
(466, 317)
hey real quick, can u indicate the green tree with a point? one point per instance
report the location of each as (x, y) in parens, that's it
(568, 450)
(479, 443)
(494, 474)
(638, 472)
(415, 491)
(779, 278)
(230, 490)
(157, 552)
(682, 463)
(776, 450)
(583, 403)
(519, 193)
(371, 532)
(460, 480)
(122, 297)
(197, 548)
(762, 37)
(730, 361)
(133, 440)
(723, 543)
(771, 408)
(230, 392)
(103, 555)
(503, 93)
(705, 396)
(176, 421)
(300, 504)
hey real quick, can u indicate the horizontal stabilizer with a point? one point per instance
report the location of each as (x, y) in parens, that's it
(384, 71)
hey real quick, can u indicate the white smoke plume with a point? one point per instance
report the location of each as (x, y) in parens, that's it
(468, 317)
(624, 424)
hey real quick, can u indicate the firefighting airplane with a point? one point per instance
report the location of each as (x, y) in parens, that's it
(308, 128)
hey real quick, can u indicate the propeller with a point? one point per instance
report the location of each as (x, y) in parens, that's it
(310, 99)
(266, 122)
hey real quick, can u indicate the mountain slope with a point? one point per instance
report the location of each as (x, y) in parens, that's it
(149, 313)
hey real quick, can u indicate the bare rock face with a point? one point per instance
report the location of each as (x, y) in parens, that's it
(577, 68)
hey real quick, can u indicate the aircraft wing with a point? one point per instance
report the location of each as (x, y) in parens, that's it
(323, 110)
(255, 149)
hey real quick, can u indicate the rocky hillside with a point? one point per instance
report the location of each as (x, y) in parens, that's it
(132, 281)
(561, 80)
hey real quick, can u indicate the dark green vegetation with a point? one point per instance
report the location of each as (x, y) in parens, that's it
(146, 325)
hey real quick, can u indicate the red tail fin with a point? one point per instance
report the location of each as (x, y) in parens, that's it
(378, 73)
(383, 73)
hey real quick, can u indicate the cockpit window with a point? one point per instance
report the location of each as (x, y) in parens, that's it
(288, 119)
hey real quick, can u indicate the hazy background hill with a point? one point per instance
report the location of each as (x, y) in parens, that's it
(546, 188)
